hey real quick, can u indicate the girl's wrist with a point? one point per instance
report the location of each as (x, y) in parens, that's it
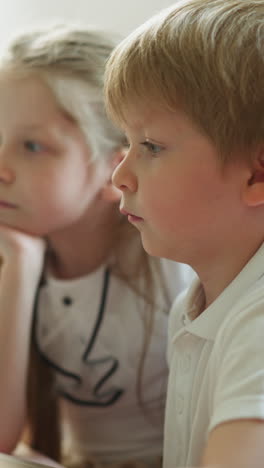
(19, 273)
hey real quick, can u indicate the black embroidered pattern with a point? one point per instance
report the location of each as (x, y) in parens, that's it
(101, 397)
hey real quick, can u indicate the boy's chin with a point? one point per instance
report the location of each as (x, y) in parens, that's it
(153, 250)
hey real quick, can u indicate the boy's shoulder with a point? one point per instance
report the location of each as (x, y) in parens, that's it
(233, 316)
(236, 361)
(244, 321)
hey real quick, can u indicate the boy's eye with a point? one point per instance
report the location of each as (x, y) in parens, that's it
(152, 147)
(33, 146)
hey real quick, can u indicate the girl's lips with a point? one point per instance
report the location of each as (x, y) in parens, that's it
(5, 204)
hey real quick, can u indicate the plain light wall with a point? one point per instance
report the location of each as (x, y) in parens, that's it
(118, 15)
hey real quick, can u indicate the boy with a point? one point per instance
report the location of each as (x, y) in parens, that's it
(187, 88)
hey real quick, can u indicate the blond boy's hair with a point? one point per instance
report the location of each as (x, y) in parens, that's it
(205, 57)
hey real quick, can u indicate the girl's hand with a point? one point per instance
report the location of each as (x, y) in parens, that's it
(30, 459)
(21, 252)
(21, 260)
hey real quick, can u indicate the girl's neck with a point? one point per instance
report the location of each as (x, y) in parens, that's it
(84, 246)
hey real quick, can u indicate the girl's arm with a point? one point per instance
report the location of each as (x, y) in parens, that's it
(25, 453)
(21, 258)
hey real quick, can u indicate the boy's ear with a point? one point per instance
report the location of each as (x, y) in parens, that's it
(254, 191)
(109, 192)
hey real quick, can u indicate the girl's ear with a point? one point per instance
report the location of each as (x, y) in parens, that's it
(109, 192)
(254, 191)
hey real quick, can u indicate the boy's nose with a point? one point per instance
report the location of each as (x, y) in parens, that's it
(124, 178)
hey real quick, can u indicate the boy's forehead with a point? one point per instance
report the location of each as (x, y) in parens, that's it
(133, 121)
(144, 117)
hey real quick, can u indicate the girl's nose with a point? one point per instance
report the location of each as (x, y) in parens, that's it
(124, 177)
(7, 174)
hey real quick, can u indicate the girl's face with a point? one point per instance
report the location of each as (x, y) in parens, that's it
(47, 181)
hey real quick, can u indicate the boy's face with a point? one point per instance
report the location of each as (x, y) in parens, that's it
(174, 189)
(45, 185)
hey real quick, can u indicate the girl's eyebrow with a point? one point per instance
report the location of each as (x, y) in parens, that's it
(33, 127)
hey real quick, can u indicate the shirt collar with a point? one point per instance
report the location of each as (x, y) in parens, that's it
(207, 324)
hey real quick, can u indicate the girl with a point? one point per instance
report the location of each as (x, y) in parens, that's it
(97, 371)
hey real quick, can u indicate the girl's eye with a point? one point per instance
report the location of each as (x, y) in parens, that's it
(126, 143)
(126, 146)
(33, 146)
(152, 147)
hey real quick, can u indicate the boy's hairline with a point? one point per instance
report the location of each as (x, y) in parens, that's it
(225, 157)
(235, 145)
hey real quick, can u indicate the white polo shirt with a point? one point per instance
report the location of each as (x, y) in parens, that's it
(216, 364)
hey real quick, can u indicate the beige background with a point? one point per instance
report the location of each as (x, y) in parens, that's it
(119, 15)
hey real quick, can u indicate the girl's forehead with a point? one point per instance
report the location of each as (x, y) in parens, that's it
(20, 85)
(29, 103)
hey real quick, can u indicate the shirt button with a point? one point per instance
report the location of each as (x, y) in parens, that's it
(67, 300)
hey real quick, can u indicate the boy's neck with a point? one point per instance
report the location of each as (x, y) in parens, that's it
(82, 248)
(216, 275)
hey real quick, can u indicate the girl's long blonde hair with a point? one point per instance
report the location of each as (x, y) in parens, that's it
(71, 61)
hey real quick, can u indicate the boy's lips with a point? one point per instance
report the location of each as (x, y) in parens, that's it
(131, 217)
